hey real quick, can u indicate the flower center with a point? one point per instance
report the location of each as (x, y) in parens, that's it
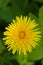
(22, 34)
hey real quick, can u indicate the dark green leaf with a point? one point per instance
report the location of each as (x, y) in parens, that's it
(12, 9)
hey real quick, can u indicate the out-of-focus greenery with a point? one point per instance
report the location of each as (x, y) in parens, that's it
(9, 9)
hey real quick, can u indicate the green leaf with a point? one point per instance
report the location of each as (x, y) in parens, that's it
(3, 3)
(32, 16)
(21, 59)
(2, 47)
(37, 53)
(38, 1)
(41, 17)
(29, 63)
(42, 61)
(12, 9)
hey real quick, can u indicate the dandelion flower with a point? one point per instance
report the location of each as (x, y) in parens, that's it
(22, 35)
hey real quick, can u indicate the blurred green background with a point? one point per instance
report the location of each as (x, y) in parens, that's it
(9, 9)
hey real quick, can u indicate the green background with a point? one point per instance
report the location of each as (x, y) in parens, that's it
(9, 9)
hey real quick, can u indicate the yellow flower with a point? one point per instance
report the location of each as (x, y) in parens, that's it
(22, 35)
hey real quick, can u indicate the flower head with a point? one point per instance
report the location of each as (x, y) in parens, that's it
(22, 35)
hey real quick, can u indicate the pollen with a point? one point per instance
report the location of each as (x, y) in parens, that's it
(22, 34)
